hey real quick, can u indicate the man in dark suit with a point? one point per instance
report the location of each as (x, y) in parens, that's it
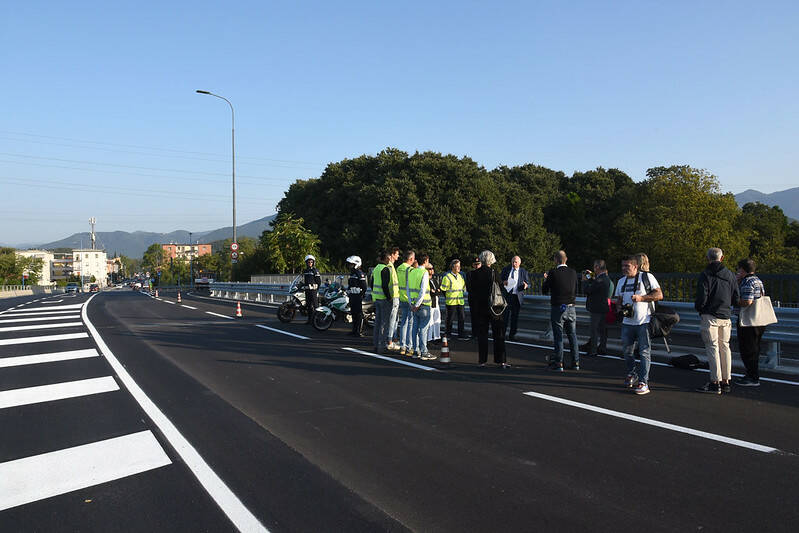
(561, 283)
(514, 282)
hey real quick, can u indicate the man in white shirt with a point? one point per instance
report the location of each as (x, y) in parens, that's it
(635, 294)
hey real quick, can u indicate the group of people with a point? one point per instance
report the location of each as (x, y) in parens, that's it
(407, 315)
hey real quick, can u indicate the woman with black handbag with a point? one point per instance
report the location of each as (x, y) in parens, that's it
(482, 281)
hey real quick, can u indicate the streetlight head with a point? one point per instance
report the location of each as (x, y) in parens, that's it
(202, 92)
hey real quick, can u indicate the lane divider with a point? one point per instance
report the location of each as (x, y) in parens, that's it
(391, 359)
(220, 316)
(656, 423)
(283, 332)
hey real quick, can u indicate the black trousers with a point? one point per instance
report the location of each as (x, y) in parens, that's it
(498, 333)
(452, 310)
(311, 302)
(511, 315)
(473, 319)
(749, 346)
(356, 308)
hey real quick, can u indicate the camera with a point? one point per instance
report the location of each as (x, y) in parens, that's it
(627, 310)
(587, 274)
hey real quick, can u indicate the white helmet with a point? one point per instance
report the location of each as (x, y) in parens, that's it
(309, 257)
(355, 260)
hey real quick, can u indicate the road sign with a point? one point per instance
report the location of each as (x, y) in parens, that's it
(234, 246)
(234, 255)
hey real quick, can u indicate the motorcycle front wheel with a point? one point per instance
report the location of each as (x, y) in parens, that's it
(322, 321)
(286, 311)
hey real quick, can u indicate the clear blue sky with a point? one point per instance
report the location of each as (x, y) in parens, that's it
(100, 118)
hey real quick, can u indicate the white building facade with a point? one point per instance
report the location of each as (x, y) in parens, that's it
(88, 263)
(47, 263)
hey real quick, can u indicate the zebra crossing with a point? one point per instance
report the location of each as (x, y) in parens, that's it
(67, 424)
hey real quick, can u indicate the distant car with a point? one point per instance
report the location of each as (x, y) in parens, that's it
(72, 287)
(136, 286)
(94, 288)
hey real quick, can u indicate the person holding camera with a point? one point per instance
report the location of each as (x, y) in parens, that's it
(636, 293)
(561, 282)
(598, 290)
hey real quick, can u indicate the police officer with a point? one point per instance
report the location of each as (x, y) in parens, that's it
(311, 279)
(355, 291)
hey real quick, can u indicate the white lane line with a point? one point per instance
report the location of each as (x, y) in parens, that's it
(230, 504)
(43, 338)
(49, 474)
(39, 309)
(47, 357)
(41, 326)
(656, 423)
(167, 301)
(658, 363)
(217, 314)
(53, 302)
(283, 332)
(56, 391)
(6, 314)
(391, 359)
(188, 306)
(38, 319)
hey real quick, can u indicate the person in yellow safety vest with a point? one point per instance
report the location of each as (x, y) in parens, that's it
(380, 280)
(406, 316)
(418, 292)
(453, 286)
(395, 292)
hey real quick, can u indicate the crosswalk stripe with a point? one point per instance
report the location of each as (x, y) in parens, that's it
(16, 313)
(47, 357)
(41, 326)
(35, 309)
(38, 319)
(49, 474)
(56, 391)
(43, 338)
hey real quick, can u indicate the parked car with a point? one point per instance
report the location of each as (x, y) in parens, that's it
(72, 287)
(94, 288)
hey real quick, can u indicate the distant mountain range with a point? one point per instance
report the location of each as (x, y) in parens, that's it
(788, 200)
(134, 244)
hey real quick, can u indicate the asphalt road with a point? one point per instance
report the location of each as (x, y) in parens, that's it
(307, 435)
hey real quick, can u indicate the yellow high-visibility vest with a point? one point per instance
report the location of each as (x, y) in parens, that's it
(402, 277)
(394, 281)
(377, 282)
(453, 286)
(415, 276)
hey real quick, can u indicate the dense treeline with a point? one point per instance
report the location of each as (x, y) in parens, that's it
(453, 207)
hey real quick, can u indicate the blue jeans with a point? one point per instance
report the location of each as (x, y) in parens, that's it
(382, 316)
(405, 324)
(392, 323)
(565, 319)
(630, 334)
(421, 323)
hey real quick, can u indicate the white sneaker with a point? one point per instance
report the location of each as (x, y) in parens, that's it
(393, 346)
(642, 388)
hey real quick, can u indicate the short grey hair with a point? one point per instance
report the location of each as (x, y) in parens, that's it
(487, 258)
(714, 254)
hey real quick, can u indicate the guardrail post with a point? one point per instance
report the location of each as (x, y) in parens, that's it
(773, 355)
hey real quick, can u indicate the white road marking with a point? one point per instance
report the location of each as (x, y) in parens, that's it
(53, 302)
(35, 309)
(46, 475)
(38, 318)
(5, 314)
(188, 306)
(43, 338)
(391, 359)
(658, 363)
(47, 357)
(167, 301)
(656, 423)
(283, 332)
(217, 314)
(230, 504)
(41, 326)
(56, 391)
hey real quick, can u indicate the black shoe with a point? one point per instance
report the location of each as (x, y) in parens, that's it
(512, 337)
(555, 367)
(503, 366)
(584, 347)
(602, 350)
(726, 388)
(710, 388)
(746, 381)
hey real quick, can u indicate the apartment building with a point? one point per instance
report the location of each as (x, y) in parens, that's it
(88, 263)
(185, 252)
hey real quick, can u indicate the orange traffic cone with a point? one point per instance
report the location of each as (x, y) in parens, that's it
(238, 310)
(156, 293)
(444, 358)
(179, 297)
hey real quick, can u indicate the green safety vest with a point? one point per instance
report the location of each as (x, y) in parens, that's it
(453, 286)
(415, 276)
(377, 282)
(394, 281)
(402, 275)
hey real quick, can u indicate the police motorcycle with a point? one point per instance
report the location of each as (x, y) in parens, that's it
(294, 303)
(336, 306)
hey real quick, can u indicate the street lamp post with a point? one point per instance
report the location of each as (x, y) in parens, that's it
(233, 153)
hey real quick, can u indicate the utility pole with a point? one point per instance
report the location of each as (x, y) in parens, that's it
(191, 262)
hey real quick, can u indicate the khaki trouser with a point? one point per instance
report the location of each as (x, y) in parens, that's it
(716, 336)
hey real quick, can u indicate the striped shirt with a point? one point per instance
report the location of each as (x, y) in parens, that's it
(751, 288)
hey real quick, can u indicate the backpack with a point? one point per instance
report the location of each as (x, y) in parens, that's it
(663, 318)
(687, 362)
(496, 301)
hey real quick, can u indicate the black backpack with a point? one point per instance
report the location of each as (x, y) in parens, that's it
(663, 317)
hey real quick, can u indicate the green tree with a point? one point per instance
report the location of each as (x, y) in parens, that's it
(677, 214)
(287, 244)
(153, 259)
(246, 253)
